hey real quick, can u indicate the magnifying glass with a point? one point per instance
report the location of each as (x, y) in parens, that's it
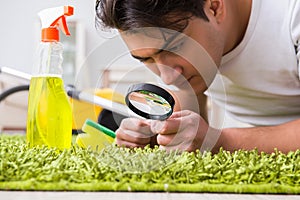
(150, 101)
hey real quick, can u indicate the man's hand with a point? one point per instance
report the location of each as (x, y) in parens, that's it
(134, 133)
(184, 130)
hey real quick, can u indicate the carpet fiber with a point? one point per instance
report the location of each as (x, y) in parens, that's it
(123, 169)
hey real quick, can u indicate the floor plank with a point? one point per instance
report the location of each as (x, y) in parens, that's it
(20, 195)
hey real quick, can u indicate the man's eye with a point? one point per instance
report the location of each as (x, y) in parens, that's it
(142, 60)
(145, 60)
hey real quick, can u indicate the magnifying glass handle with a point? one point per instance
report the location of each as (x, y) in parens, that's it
(102, 102)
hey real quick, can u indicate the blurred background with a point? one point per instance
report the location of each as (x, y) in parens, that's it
(92, 59)
(20, 35)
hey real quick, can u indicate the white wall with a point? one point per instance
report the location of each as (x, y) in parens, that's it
(19, 35)
(19, 38)
(18, 29)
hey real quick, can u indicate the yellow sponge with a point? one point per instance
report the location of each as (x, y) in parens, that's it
(95, 136)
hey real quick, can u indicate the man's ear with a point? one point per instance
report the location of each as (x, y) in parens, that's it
(217, 8)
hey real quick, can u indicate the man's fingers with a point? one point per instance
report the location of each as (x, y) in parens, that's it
(171, 125)
(137, 125)
(180, 147)
(124, 143)
(180, 114)
(165, 140)
(132, 136)
(134, 133)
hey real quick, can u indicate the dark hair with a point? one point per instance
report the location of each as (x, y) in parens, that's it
(130, 14)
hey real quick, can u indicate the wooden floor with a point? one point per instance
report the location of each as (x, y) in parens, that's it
(18, 195)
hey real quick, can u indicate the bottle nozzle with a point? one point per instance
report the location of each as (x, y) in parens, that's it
(52, 18)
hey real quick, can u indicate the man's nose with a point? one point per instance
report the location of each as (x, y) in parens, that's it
(169, 72)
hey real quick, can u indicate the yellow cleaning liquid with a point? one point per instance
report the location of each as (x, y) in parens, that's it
(49, 120)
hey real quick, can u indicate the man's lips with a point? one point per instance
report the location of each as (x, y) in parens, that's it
(182, 82)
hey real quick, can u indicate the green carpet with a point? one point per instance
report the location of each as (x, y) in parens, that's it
(123, 169)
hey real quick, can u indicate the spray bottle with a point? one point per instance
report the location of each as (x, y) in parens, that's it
(49, 119)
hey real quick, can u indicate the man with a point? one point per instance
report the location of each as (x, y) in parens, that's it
(255, 46)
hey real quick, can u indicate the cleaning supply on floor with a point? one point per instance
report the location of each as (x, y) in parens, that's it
(95, 136)
(49, 119)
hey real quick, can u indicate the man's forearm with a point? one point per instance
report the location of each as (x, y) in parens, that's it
(285, 138)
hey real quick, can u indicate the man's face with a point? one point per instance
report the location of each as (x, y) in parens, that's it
(187, 59)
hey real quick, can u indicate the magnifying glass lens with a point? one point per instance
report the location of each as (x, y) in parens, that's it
(150, 101)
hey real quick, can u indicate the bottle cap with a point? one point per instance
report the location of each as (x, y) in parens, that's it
(50, 34)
